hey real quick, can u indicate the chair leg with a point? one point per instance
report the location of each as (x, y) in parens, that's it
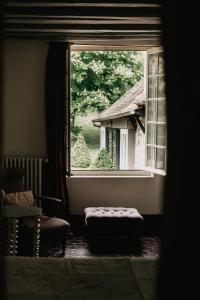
(12, 236)
(36, 238)
(64, 241)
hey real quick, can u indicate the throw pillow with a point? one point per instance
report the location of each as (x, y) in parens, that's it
(21, 198)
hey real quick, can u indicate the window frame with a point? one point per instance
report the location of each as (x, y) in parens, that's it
(154, 146)
(146, 172)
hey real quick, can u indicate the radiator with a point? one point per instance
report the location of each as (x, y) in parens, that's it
(33, 171)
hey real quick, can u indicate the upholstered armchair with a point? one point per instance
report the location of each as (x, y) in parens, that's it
(25, 217)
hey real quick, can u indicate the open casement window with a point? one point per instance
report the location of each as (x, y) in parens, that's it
(156, 122)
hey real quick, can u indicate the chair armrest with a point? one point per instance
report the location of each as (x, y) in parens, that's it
(49, 205)
(46, 198)
(16, 211)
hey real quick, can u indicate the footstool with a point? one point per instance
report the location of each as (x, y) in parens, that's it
(113, 228)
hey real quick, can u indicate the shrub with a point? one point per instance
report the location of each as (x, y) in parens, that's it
(103, 161)
(80, 153)
(75, 130)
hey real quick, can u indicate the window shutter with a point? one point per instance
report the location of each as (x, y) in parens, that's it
(156, 122)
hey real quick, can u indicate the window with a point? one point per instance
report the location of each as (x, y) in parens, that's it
(123, 134)
(156, 123)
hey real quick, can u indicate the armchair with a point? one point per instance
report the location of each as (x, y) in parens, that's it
(33, 218)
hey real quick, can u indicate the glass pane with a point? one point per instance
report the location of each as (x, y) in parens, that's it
(153, 64)
(150, 157)
(114, 148)
(160, 158)
(160, 136)
(152, 87)
(150, 133)
(151, 110)
(161, 86)
(161, 110)
(161, 63)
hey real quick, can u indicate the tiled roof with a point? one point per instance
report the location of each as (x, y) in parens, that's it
(126, 105)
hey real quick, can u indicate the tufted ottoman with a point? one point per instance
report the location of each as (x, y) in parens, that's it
(113, 228)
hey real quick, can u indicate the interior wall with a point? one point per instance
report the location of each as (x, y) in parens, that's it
(145, 194)
(23, 98)
(24, 134)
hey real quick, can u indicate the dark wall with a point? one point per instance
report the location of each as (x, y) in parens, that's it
(1, 43)
(179, 247)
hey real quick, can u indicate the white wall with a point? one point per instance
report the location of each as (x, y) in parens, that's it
(23, 95)
(145, 194)
(24, 134)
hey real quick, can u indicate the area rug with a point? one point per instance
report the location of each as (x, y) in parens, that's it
(91, 278)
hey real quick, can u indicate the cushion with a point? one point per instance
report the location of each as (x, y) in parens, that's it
(21, 198)
(113, 220)
(51, 228)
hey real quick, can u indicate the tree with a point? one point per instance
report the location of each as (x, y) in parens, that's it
(80, 153)
(99, 78)
(103, 161)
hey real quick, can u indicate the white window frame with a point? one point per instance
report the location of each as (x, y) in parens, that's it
(155, 123)
(146, 172)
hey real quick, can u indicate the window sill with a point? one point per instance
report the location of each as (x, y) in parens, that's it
(112, 174)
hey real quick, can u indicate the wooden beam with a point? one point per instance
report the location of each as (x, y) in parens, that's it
(87, 18)
(63, 20)
(85, 11)
(85, 27)
(125, 44)
(82, 3)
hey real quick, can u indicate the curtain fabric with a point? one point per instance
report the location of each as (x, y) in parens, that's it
(55, 108)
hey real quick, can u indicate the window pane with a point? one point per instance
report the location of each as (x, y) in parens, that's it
(161, 62)
(152, 88)
(153, 64)
(151, 111)
(160, 134)
(161, 110)
(150, 133)
(161, 86)
(150, 156)
(160, 158)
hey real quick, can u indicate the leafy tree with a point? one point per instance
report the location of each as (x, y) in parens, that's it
(99, 78)
(103, 161)
(80, 153)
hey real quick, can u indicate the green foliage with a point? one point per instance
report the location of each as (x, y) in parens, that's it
(91, 135)
(103, 161)
(75, 130)
(80, 153)
(99, 78)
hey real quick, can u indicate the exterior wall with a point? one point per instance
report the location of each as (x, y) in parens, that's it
(136, 143)
(115, 123)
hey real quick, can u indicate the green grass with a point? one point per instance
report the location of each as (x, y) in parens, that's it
(91, 133)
